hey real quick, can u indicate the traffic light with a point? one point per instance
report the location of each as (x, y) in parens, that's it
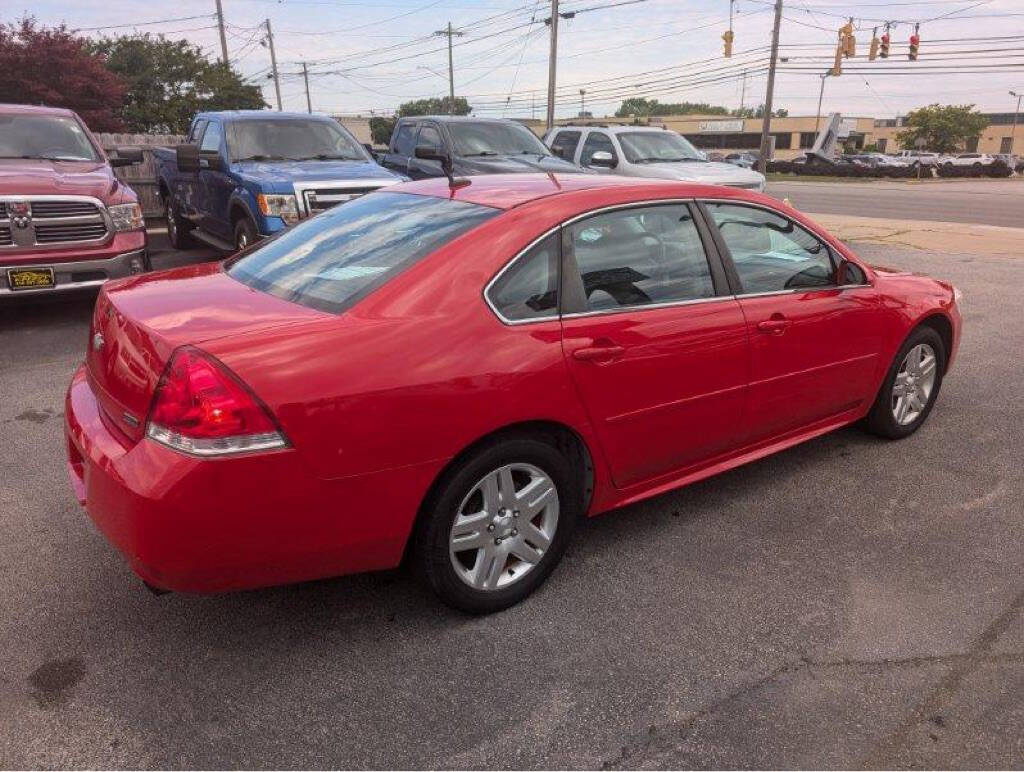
(873, 50)
(727, 39)
(915, 43)
(883, 44)
(837, 67)
(847, 42)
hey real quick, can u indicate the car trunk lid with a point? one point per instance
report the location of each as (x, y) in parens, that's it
(138, 323)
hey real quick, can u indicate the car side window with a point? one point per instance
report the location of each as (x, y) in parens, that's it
(429, 136)
(211, 138)
(597, 141)
(404, 139)
(639, 256)
(528, 289)
(770, 252)
(565, 143)
(196, 132)
(854, 274)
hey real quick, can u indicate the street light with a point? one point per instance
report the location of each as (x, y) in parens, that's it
(583, 103)
(821, 94)
(1013, 131)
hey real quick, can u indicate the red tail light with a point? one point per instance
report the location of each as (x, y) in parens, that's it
(201, 408)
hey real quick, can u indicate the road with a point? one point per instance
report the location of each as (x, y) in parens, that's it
(988, 202)
(848, 603)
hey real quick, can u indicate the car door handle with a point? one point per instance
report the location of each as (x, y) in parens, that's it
(600, 353)
(774, 326)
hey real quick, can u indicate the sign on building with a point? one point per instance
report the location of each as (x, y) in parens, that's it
(720, 126)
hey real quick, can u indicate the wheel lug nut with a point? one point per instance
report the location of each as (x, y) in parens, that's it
(498, 540)
(490, 527)
(515, 531)
(515, 513)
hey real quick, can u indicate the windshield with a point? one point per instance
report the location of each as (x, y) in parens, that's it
(654, 146)
(51, 137)
(292, 140)
(485, 138)
(333, 260)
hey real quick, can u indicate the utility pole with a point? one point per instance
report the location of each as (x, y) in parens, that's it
(743, 93)
(1013, 131)
(305, 77)
(552, 59)
(583, 103)
(763, 160)
(451, 65)
(273, 65)
(223, 36)
(821, 94)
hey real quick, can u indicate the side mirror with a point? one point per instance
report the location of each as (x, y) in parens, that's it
(187, 157)
(126, 156)
(603, 159)
(211, 162)
(428, 153)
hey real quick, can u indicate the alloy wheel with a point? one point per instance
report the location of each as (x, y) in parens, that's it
(914, 384)
(504, 527)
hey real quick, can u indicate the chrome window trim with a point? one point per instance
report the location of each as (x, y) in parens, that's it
(101, 210)
(570, 221)
(812, 231)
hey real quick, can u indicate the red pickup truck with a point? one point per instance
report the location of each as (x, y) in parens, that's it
(66, 221)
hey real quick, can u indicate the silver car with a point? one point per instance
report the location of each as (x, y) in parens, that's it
(643, 151)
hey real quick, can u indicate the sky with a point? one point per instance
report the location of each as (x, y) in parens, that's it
(372, 55)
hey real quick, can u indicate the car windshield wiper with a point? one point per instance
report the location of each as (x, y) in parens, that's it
(259, 157)
(327, 157)
(481, 153)
(28, 157)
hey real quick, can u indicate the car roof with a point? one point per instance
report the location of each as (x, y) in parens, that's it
(273, 115)
(456, 119)
(13, 109)
(613, 128)
(506, 191)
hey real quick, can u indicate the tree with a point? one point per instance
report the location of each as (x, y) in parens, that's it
(51, 66)
(169, 81)
(381, 129)
(643, 107)
(780, 113)
(944, 128)
(434, 106)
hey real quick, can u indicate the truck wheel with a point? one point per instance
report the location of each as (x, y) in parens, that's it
(178, 228)
(245, 234)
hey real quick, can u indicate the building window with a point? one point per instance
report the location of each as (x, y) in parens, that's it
(882, 144)
(1006, 145)
(807, 139)
(972, 145)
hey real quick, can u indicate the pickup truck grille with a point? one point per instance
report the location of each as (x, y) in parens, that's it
(324, 198)
(27, 222)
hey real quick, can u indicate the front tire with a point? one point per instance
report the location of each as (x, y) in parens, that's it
(911, 386)
(498, 524)
(245, 234)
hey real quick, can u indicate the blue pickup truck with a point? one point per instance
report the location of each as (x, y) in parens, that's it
(243, 175)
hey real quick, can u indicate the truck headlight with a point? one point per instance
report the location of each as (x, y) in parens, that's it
(958, 296)
(283, 206)
(126, 217)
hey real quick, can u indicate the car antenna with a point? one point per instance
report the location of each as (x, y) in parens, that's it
(554, 179)
(427, 153)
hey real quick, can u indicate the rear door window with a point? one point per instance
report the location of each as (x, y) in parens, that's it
(565, 144)
(528, 288)
(429, 137)
(333, 260)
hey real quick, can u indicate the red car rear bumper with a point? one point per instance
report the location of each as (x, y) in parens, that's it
(201, 525)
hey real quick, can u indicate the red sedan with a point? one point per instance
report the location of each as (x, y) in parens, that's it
(460, 375)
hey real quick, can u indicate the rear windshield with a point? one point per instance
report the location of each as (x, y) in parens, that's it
(336, 258)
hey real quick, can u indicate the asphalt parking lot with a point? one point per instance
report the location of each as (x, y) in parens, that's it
(848, 603)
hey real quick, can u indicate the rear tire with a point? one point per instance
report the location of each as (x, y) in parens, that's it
(178, 228)
(910, 387)
(480, 544)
